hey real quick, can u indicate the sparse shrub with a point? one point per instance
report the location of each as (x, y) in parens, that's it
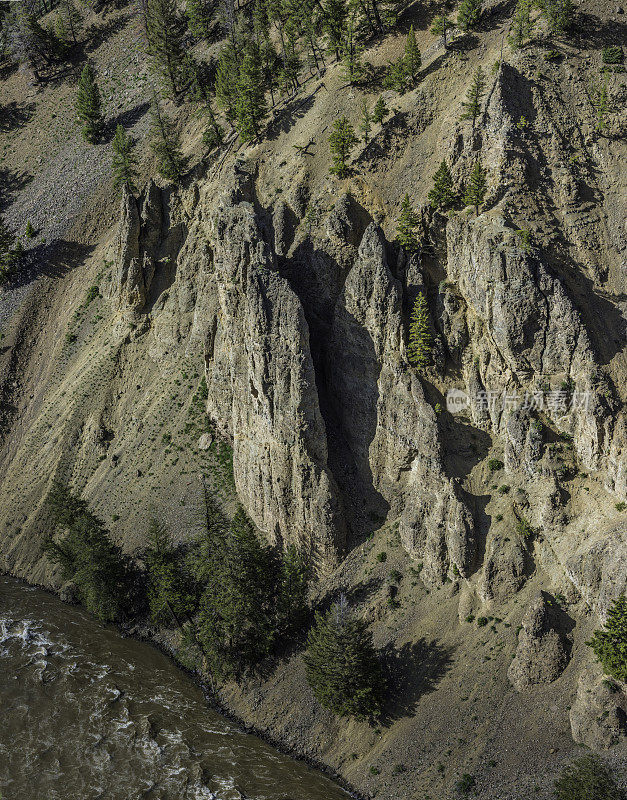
(470, 618)
(375, 770)
(395, 576)
(465, 784)
(613, 54)
(586, 779)
(504, 489)
(495, 464)
(621, 506)
(610, 643)
(552, 55)
(523, 527)
(30, 231)
(482, 622)
(382, 556)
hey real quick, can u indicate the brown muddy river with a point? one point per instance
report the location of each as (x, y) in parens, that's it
(87, 714)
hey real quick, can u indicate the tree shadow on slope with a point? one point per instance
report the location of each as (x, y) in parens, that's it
(53, 260)
(593, 33)
(11, 183)
(14, 115)
(127, 119)
(413, 671)
(286, 116)
(98, 34)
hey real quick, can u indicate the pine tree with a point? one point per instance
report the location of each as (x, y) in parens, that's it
(335, 17)
(351, 55)
(476, 189)
(292, 608)
(610, 643)
(124, 161)
(199, 15)
(443, 194)
(88, 105)
(342, 665)
(238, 609)
(165, 144)
(407, 226)
(396, 76)
(419, 347)
(472, 104)
(468, 14)
(441, 26)
(380, 111)
(213, 135)
(165, 44)
(170, 595)
(101, 574)
(7, 251)
(559, 14)
(71, 18)
(522, 25)
(227, 73)
(341, 142)
(366, 120)
(250, 106)
(412, 59)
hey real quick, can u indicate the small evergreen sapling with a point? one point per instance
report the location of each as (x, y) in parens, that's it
(441, 27)
(443, 194)
(341, 142)
(165, 144)
(419, 347)
(610, 643)
(88, 105)
(407, 226)
(468, 14)
(522, 25)
(124, 161)
(476, 189)
(472, 104)
(380, 111)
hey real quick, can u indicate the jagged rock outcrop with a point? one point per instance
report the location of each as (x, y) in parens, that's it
(598, 717)
(390, 428)
(504, 567)
(598, 567)
(262, 389)
(139, 235)
(543, 648)
(523, 442)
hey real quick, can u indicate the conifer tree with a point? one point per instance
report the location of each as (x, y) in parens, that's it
(199, 15)
(170, 595)
(419, 347)
(342, 665)
(441, 26)
(292, 608)
(558, 14)
(380, 111)
(412, 59)
(407, 226)
(227, 73)
(71, 18)
(522, 25)
(165, 44)
(443, 194)
(351, 54)
(88, 105)
(468, 14)
(366, 120)
(472, 104)
(610, 643)
(396, 75)
(250, 105)
(335, 17)
(124, 161)
(237, 618)
(341, 142)
(7, 251)
(213, 135)
(165, 144)
(102, 575)
(476, 189)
